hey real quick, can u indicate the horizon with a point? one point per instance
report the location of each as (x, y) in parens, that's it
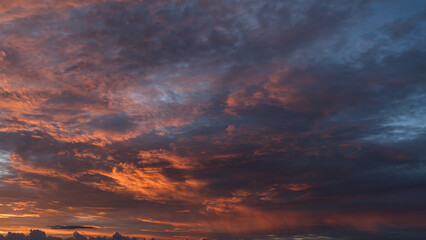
(205, 119)
(41, 235)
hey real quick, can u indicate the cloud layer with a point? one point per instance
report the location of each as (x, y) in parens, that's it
(216, 119)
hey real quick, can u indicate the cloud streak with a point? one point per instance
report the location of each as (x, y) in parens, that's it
(71, 227)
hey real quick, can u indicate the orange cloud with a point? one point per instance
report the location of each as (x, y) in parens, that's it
(148, 183)
(297, 186)
(6, 215)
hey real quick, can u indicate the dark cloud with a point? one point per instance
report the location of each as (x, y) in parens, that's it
(71, 227)
(40, 235)
(114, 122)
(15, 236)
(78, 236)
(37, 235)
(403, 27)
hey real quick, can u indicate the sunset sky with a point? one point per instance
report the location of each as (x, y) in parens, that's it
(235, 119)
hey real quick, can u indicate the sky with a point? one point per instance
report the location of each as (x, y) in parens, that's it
(233, 119)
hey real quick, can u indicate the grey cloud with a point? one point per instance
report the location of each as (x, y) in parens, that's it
(71, 227)
(114, 122)
(37, 235)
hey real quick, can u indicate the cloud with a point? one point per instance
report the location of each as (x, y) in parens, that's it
(15, 236)
(218, 119)
(41, 235)
(115, 122)
(37, 235)
(71, 227)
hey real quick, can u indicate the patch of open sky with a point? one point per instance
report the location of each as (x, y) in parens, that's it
(406, 121)
(4, 163)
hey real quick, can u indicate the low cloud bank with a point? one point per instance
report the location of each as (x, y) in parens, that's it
(40, 235)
